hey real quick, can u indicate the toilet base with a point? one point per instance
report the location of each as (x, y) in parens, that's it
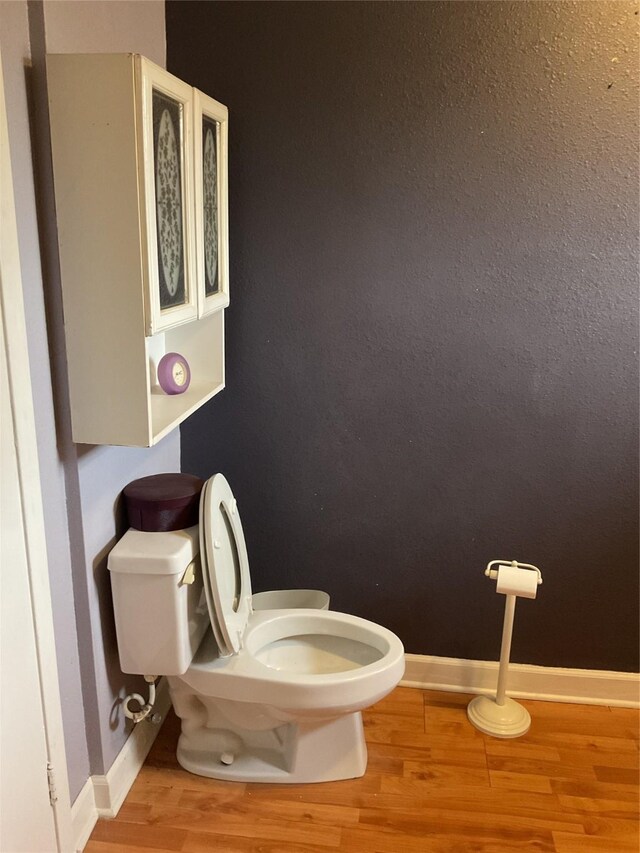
(304, 751)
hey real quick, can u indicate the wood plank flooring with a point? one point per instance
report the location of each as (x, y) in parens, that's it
(433, 785)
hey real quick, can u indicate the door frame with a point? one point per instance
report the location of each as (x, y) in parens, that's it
(24, 436)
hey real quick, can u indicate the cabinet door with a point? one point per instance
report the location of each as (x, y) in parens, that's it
(165, 116)
(211, 204)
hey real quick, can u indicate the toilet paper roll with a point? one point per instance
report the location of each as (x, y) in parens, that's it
(521, 582)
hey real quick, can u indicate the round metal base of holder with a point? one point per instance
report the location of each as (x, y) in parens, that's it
(508, 720)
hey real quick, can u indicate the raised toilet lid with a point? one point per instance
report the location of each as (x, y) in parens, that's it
(205, 573)
(225, 565)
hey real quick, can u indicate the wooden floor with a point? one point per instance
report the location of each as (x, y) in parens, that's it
(433, 784)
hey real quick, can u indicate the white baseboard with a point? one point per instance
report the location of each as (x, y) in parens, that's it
(551, 684)
(102, 796)
(83, 815)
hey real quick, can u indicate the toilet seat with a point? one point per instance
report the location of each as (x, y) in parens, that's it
(314, 660)
(205, 574)
(250, 677)
(225, 565)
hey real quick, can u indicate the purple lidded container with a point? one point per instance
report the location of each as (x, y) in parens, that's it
(163, 502)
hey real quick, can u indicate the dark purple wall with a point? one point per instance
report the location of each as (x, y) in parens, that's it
(432, 339)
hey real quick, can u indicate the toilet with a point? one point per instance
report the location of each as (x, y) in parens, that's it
(263, 695)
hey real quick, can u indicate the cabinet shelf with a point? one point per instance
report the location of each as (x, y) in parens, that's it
(168, 412)
(202, 344)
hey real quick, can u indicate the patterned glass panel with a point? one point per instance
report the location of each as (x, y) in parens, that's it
(210, 204)
(168, 144)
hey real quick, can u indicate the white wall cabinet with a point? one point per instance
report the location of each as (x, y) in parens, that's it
(140, 175)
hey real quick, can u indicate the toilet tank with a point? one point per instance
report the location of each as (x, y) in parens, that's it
(158, 600)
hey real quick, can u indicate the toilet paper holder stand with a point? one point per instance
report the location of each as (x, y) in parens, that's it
(502, 716)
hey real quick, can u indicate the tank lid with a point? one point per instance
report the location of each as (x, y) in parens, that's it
(142, 553)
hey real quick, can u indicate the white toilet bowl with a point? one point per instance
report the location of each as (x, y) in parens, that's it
(286, 707)
(270, 695)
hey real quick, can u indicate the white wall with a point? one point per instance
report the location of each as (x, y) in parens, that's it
(80, 483)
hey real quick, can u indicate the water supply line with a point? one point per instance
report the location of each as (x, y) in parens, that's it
(145, 707)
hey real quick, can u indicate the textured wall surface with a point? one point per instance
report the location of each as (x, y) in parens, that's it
(432, 340)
